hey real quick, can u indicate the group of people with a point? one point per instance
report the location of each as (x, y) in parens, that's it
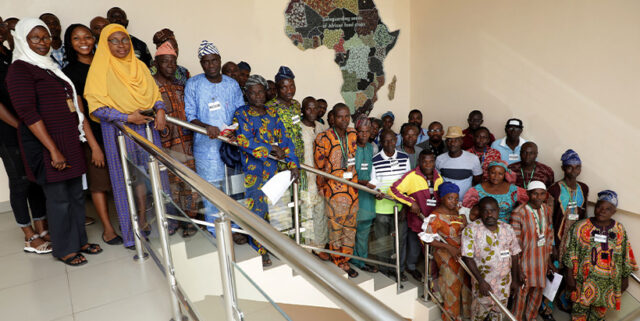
(475, 199)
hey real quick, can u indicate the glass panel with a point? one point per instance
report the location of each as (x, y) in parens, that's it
(253, 302)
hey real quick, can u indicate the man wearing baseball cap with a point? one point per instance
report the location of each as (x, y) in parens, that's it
(509, 146)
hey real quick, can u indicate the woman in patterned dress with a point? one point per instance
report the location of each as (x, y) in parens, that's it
(260, 133)
(448, 224)
(499, 186)
(599, 261)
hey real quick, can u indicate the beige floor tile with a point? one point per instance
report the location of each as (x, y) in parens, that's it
(23, 268)
(43, 300)
(11, 241)
(93, 286)
(151, 305)
(66, 318)
(7, 222)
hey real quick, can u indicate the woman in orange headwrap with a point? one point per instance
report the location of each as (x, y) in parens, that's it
(118, 88)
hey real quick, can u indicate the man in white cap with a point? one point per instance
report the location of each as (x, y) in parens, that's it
(210, 100)
(509, 146)
(532, 223)
(458, 166)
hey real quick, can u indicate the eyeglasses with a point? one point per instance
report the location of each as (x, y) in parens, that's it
(434, 131)
(115, 42)
(36, 39)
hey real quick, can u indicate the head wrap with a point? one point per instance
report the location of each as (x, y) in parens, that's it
(536, 185)
(166, 49)
(363, 121)
(284, 73)
(255, 80)
(447, 188)
(390, 114)
(23, 52)
(124, 84)
(244, 66)
(570, 157)
(163, 35)
(608, 196)
(509, 176)
(207, 48)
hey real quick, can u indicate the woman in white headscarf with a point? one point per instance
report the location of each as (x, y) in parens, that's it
(51, 131)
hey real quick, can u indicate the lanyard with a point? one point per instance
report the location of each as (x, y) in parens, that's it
(525, 183)
(540, 222)
(573, 193)
(344, 149)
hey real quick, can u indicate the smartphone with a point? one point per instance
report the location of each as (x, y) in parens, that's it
(148, 112)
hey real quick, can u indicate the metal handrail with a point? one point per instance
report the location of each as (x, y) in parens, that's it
(203, 131)
(635, 277)
(355, 301)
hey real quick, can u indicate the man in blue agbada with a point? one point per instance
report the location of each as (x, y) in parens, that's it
(210, 100)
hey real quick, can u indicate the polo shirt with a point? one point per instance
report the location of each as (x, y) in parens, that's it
(506, 153)
(459, 170)
(386, 171)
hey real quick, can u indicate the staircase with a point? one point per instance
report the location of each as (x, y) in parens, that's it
(198, 274)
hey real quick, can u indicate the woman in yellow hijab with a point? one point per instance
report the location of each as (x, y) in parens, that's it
(118, 88)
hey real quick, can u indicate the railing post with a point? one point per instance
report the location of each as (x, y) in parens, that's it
(427, 271)
(226, 256)
(158, 201)
(128, 183)
(397, 244)
(296, 212)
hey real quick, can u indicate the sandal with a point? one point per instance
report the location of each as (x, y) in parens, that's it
(91, 249)
(239, 238)
(70, 260)
(266, 260)
(45, 236)
(189, 231)
(369, 268)
(350, 271)
(43, 248)
(170, 230)
(117, 240)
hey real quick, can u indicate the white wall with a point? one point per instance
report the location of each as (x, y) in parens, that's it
(569, 69)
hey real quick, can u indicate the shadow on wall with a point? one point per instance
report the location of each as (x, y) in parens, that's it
(555, 114)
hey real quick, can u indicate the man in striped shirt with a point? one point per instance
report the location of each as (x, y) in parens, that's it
(389, 165)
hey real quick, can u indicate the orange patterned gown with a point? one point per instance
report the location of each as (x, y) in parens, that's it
(452, 280)
(342, 200)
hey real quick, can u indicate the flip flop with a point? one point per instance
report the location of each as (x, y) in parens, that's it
(91, 249)
(69, 261)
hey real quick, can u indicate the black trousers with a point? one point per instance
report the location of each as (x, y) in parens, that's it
(65, 205)
(22, 192)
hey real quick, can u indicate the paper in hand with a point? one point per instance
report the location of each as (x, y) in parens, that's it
(551, 288)
(277, 186)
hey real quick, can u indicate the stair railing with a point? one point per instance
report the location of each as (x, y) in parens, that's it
(311, 169)
(353, 300)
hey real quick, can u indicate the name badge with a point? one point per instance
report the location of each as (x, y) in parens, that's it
(573, 217)
(295, 119)
(431, 202)
(600, 238)
(216, 105)
(394, 163)
(572, 205)
(505, 254)
(541, 240)
(351, 161)
(364, 166)
(514, 157)
(347, 175)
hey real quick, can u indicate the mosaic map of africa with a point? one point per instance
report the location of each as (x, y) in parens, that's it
(353, 29)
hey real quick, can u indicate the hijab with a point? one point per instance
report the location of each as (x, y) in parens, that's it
(24, 53)
(124, 84)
